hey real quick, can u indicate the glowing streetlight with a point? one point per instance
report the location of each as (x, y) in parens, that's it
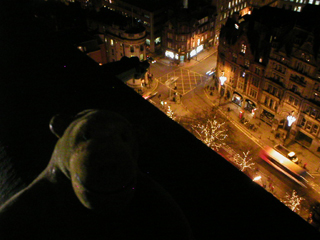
(222, 79)
(291, 119)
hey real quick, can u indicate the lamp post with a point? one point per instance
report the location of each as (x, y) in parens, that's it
(291, 119)
(222, 79)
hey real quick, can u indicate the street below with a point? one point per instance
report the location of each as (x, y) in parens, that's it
(193, 106)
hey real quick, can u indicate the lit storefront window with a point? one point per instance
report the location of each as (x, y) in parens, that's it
(196, 51)
(193, 53)
(200, 48)
(169, 54)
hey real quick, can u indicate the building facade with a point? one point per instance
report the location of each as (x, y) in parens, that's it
(274, 73)
(152, 14)
(187, 33)
(121, 36)
(129, 42)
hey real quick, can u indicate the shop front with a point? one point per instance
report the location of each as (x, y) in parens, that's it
(237, 99)
(250, 106)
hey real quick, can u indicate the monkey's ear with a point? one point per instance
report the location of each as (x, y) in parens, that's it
(59, 123)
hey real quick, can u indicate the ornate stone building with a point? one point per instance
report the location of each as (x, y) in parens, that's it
(273, 71)
(152, 14)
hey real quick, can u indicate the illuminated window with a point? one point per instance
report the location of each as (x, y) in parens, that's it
(260, 59)
(229, 5)
(310, 1)
(198, 41)
(148, 42)
(243, 48)
(111, 42)
(245, 5)
(317, 2)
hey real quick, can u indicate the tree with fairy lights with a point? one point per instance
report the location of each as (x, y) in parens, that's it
(244, 161)
(170, 113)
(293, 201)
(211, 133)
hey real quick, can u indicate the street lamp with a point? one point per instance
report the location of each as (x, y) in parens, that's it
(291, 119)
(222, 79)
